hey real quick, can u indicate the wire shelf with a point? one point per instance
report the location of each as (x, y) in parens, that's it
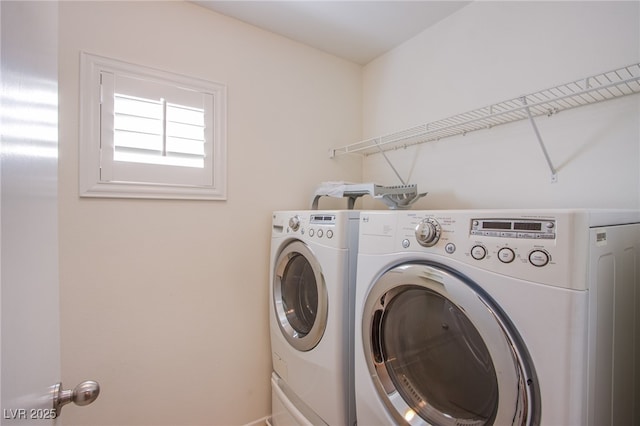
(598, 88)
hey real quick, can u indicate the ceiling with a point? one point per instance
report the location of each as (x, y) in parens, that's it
(358, 31)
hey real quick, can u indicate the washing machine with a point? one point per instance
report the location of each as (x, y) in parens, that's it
(313, 266)
(502, 317)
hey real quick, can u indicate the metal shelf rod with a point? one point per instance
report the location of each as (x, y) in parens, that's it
(554, 173)
(545, 102)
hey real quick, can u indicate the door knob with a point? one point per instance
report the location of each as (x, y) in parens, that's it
(83, 394)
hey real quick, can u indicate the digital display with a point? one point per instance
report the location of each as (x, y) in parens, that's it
(514, 228)
(496, 225)
(322, 219)
(527, 226)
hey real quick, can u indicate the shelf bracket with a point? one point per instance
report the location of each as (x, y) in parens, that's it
(554, 173)
(390, 163)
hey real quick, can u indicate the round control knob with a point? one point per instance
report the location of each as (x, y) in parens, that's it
(294, 223)
(478, 252)
(428, 232)
(506, 255)
(539, 258)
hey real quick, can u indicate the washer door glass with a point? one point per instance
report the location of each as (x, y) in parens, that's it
(300, 296)
(439, 354)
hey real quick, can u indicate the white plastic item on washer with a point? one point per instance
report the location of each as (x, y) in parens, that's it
(398, 197)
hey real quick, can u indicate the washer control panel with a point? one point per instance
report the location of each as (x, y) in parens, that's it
(321, 231)
(335, 228)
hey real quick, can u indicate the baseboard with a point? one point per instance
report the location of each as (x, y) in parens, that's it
(266, 420)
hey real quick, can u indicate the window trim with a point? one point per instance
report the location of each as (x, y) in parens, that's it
(90, 183)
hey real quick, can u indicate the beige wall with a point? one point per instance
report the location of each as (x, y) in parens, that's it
(490, 52)
(165, 302)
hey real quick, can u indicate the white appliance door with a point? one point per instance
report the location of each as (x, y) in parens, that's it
(441, 352)
(300, 296)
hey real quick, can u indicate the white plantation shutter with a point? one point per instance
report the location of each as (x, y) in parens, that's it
(159, 132)
(156, 132)
(159, 135)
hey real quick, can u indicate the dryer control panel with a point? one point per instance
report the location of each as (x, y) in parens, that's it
(524, 229)
(542, 246)
(530, 245)
(514, 228)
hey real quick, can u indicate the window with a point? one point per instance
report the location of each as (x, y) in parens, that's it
(150, 134)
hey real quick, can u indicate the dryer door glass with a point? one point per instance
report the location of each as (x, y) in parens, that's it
(300, 296)
(440, 351)
(436, 358)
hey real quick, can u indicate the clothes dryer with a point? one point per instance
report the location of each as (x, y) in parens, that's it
(498, 317)
(313, 266)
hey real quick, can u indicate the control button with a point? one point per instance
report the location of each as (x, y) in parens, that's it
(450, 248)
(506, 255)
(550, 225)
(478, 252)
(329, 233)
(428, 232)
(539, 258)
(311, 232)
(509, 234)
(405, 243)
(320, 233)
(294, 223)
